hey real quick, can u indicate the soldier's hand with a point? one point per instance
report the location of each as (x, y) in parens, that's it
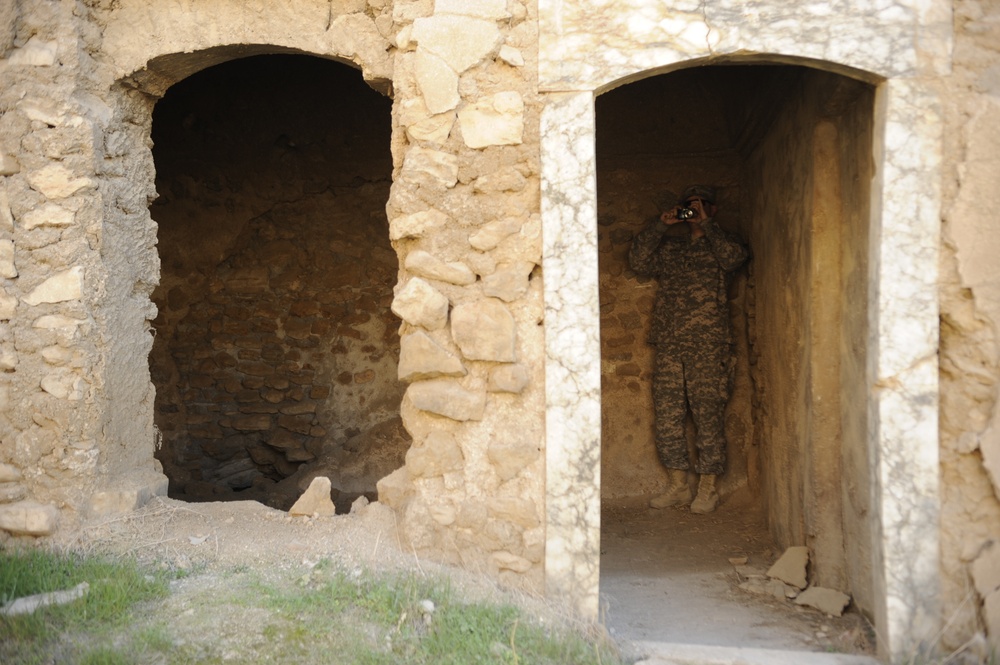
(670, 216)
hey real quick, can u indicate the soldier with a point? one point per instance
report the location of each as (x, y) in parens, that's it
(691, 335)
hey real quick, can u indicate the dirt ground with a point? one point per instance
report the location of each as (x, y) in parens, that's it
(665, 574)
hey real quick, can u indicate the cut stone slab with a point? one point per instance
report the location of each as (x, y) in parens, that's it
(315, 500)
(829, 601)
(791, 567)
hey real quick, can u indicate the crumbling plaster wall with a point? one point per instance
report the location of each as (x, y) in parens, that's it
(970, 311)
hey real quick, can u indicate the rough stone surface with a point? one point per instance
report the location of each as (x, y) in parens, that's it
(448, 398)
(315, 500)
(791, 567)
(485, 330)
(420, 357)
(829, 601)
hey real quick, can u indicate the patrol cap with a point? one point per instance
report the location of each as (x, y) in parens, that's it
(703, 192)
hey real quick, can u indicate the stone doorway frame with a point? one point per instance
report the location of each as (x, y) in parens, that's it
(902, 367)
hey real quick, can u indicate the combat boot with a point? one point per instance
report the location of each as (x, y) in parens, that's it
(707, 498)
(678, 491)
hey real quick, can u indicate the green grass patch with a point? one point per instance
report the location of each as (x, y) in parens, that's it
(115, 586)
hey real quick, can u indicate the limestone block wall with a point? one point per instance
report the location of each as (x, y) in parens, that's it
(464, 220)
(970, 311)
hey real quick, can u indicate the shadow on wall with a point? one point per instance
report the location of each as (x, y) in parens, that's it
(276, 352)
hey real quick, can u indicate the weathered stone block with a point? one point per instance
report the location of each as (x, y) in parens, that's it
(508, 379)
(396, 489)
(55, 181)
(437, 81)
(511, 56)
(36, 52)
(417, 225)
(436, 455)
(9, 473)
(461, 41)
(30, 518)
(7, 267)
(48, 214)
(420, 357)
(518, 510)
(986, 570)
(11, 492)
(495, 120)
(424, 264)
(509, 561)
(255, 423)
(420, 304)
(430, 168)
(490, 235)
(489, 9)
(509, 282)
(315, 500)
(485, 330)
(509, 457)
(64, 384)
(448, 398)
(64, 286)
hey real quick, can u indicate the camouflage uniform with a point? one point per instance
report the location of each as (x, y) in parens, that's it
(691, 333)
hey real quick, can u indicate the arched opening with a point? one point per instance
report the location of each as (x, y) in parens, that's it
(789, 150)
(275, 353)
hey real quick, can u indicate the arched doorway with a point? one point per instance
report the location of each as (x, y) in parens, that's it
(275, 355)
(790, 151)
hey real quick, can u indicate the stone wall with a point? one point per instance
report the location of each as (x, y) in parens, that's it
(275, 343)
(970, 310)
(464, 219)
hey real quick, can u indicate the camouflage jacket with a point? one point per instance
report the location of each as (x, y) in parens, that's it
(693, 277)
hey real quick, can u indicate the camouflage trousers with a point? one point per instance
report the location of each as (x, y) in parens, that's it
(697, 378)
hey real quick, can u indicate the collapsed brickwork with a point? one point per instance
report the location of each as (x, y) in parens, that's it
(262, 355)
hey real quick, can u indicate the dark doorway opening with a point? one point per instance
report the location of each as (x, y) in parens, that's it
(789, 149)
(275, 353)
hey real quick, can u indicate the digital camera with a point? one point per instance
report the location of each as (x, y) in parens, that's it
(686, 213)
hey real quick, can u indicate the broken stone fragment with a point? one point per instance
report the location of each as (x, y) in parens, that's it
(64, 384)
(420, 357)
(491, 9)
(485, 330)
(434, 129)
(791, 567)
(420, 304)
(829, 601)
(437, 455)
(423, 264)
(8, 164)
(29, 518)
(64, 286)
(448, 398)
(315, 500)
